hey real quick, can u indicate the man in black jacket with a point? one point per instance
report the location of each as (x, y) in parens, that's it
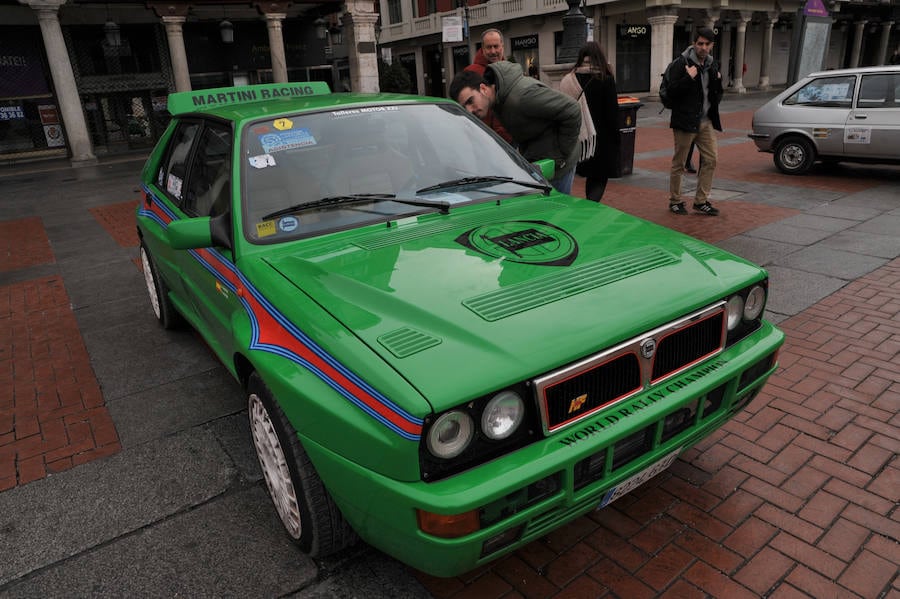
(695, 89)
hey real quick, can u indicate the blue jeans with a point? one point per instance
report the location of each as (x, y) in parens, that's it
(563, 183)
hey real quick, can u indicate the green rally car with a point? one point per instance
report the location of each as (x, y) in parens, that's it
(442, 355)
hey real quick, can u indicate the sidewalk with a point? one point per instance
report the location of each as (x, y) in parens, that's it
(126, 467)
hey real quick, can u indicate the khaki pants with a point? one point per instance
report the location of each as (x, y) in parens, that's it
(705, 142)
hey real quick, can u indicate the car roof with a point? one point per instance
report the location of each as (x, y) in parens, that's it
(857, 70)
(266, 100)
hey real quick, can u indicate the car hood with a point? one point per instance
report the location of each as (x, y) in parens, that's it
(467, 303)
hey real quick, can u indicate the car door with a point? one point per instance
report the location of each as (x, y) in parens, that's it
(207, 191)
(820, 109)
(873, 125)
(167, 191)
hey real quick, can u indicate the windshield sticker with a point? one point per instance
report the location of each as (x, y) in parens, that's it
(262, 161)
(286, 140)
(857, 135)
(288, 224)
(173, 185)
(265, 228)
(283, 124)
(528, 242)
(355, 111)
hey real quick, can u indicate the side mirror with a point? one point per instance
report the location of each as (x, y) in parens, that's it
(202, 232)
(190, 233)
(547, 168)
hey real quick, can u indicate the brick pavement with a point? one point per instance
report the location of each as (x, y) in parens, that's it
(795, 497)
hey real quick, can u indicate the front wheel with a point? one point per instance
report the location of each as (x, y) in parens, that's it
(794, 155)
(307, 511)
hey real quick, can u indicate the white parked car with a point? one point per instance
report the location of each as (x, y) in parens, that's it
(847, 115)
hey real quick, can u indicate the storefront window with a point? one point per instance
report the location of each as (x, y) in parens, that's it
(525, 52)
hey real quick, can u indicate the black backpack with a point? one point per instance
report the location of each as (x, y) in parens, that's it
(664, 86)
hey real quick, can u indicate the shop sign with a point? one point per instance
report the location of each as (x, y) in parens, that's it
(529, 42)
(452, 29)
(461, 52)
(11, 113)
(637, 31)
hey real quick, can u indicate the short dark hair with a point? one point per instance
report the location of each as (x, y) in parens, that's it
(705, 33)
(462, 80)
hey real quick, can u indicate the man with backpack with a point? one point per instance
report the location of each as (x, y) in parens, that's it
(692, 89)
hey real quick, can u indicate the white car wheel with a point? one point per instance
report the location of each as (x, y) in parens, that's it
(162, 306)
(274, 467)
(307, 511)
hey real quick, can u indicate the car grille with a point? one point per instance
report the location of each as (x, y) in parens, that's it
(574, 392)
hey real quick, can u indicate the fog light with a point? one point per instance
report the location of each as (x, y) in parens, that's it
(448, 526)
(498, 542)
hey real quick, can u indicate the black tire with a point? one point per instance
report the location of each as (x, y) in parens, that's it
(794, 155)
(307, 512)
(165, 312)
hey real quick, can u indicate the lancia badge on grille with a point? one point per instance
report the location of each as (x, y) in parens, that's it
(648, 347)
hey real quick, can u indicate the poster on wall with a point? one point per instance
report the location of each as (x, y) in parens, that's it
(21, 71)
(52, 128)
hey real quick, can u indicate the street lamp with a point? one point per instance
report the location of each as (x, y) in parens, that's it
(574, 32)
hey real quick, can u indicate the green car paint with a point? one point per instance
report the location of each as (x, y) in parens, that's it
(368, 330)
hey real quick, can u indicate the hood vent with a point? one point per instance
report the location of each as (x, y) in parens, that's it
(701, 250)
(407, 341)
(544, 290)
(393, 236)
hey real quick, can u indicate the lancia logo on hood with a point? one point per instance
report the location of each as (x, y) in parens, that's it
(525, 241)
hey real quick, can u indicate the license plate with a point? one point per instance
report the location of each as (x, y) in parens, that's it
(638, 479)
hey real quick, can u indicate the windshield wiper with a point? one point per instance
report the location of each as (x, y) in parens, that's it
(356, 198)
(487, 179)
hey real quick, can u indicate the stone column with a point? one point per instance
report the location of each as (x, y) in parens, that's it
(662, 34)
(858, 33)
(883, 45)
(64, 81)
(740, 41)
(712, 15)
(359, 27)
(177, 54)
(772, 18)
(276, 46)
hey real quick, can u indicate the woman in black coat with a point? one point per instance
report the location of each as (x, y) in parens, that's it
(596, 85)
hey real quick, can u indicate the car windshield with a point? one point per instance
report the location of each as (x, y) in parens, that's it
(312, 173)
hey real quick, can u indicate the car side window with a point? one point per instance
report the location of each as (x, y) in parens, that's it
(825, 91)
(208, 188)
(879, 91)
(173, 173)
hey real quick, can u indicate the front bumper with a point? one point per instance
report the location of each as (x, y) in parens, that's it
(620, 441)
(763, 141)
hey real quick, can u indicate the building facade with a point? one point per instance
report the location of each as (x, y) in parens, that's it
(756, 39)
(81, 79)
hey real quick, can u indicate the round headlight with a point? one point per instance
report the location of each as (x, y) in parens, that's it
(450, 435)
(734, 310)
(753, 306)
(502, 415)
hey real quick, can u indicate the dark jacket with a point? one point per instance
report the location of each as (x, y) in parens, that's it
(543, 122)
(603, 102)
(687, 93)
(490, 120)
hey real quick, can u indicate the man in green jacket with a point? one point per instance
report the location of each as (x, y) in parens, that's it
(543, 122)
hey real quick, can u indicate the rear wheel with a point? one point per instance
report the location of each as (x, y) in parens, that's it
(162, 306)
(307, 511)
(794, 155)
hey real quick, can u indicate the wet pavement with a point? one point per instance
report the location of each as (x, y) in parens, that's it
(126, 465)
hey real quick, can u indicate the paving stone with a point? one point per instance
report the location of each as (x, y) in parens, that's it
(833, 263)
(792, 290)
